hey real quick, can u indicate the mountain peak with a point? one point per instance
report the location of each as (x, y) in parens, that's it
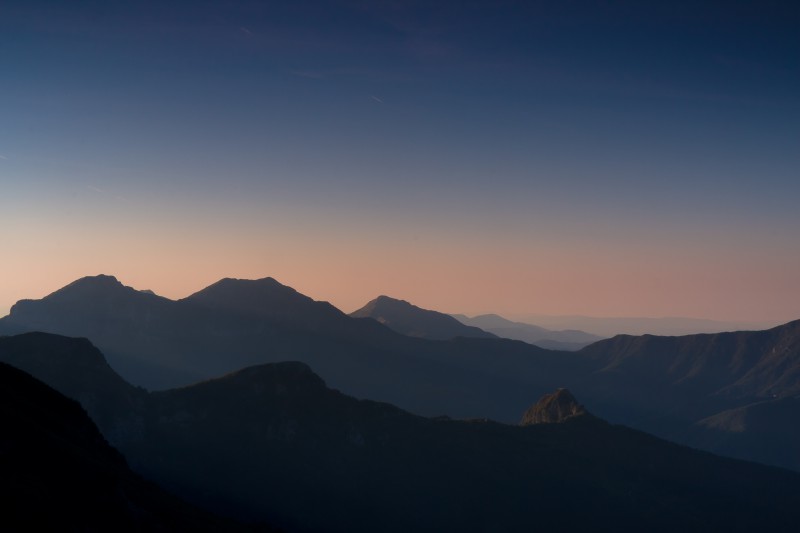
(389, 299)
(98, 282)
(408, 319)
(264, 282)
(553, 408)
(89, 291)
(384, 301)
(287, 375)
(99, 278)
(265, 298)
(233, 291)
(234, 284)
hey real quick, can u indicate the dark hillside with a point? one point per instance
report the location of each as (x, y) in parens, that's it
(59, 474)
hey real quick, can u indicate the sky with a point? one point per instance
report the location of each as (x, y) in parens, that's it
(605, 158)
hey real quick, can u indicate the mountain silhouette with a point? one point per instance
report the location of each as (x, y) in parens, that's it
(274, 443)
(662, 385)
(570, 339)
(263, 298)
(744, 364)
(411, 320)
(139, 332)
(158, 343)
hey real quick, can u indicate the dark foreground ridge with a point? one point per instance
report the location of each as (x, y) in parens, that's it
(59, 474)
(274, 443)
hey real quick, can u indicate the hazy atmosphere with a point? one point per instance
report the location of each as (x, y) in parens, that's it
(594, 158)
(380, 266)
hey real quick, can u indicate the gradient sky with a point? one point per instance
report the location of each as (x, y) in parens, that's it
(600, 158)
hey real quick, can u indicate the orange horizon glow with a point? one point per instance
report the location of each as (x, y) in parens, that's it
(454, 278)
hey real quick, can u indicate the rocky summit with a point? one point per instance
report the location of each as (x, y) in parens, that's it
(553, 408)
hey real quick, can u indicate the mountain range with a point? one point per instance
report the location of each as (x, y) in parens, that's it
(272, 442)
(159, 343)
(568, 339)
(665, 326)
(408, 319)
(722, 392)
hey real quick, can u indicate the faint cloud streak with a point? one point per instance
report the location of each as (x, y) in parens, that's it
(107, 194)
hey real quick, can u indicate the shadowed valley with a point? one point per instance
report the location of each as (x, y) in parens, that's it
(273, 442)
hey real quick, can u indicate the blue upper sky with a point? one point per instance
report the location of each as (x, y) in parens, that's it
(601, 135)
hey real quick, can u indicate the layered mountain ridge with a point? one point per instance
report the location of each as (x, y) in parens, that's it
(159, 343)
(664, 385)
(568, 339)
(274, 443)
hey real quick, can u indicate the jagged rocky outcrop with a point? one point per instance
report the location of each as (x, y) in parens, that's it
(553, 408)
